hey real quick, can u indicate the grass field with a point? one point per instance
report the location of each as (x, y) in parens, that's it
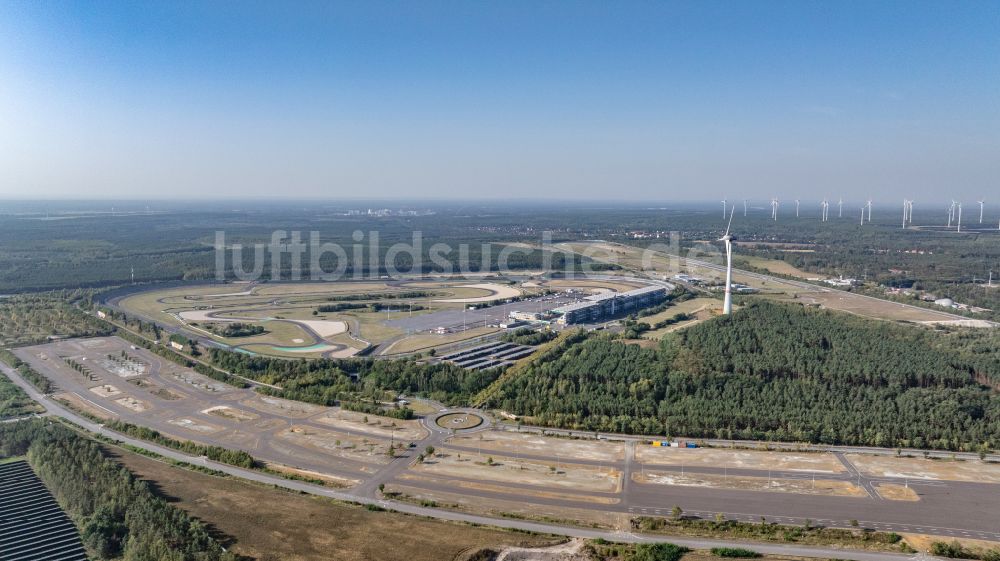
(270, 524)
(775, 266)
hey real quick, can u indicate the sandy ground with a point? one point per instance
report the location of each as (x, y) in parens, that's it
(922, 542)
(893, 492)
(382, 427)
(106, 390)
(351, 446)
(569, 551)
(194, 425)
(734, 458)
(510, 470)
(511, 443)
(132, 403)
(282, 407)
(919, 468)
(231, 413)
(801, 486)
(499, 292)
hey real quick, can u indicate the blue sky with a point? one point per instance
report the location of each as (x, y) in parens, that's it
(631, 100)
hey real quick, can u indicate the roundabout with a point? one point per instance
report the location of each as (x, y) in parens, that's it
(459, 421)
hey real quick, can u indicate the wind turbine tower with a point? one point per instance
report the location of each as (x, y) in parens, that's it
(774, 209)
(959, 217)
(951, 213)
(981, 202)
(745, 203)
(796, 208)
(727, 306)
(723, 209)
(862, 216)
(840, 208)
(869, 211)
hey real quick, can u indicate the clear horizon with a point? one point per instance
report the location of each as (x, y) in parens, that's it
(634, 102)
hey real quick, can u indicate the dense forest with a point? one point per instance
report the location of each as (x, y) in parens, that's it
(119, 517)
(32, 318)
(329, 381)
(774, 372)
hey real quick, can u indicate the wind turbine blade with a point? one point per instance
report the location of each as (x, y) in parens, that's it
(730, 221)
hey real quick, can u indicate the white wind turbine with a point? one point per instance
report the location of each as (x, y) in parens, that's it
(982, 202)
(774, 209)
(723, 209)
(727, 305)
(959, 217)
(796, 208)
(862, 215)
(951, 213)
(906, 205)
(745, 203)
(824, 207)
(869, 210)
(840, 208)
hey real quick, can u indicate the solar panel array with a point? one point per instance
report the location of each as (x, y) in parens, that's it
(489, 355)
(32, 526)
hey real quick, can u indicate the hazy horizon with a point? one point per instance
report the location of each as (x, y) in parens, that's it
(438, 101)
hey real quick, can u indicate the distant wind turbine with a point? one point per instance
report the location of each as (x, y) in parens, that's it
(982, 203)
(723, 209)
(840, 208)
(774, 209)
(745, 203)
(796, 208)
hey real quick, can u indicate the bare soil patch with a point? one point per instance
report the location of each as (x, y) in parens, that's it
(819, 462)
(800, 486)
(920, 468)
(520, 471)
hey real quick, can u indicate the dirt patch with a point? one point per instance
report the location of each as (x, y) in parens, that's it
(382, 427)
(164, 393)
(227, 412)
(133, 404)
(569, 551)
(283, 407)
(350, 446)
(196, 426)
(922, 542)
(920, 468)
(520, 471)
(818, 462)
(800, 486)
(514, 443)
(269, 524)
(106, 390)
(894, 492)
